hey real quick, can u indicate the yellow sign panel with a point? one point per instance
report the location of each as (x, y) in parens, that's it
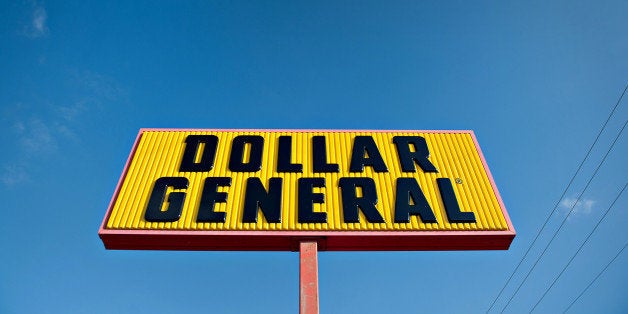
(322, 181)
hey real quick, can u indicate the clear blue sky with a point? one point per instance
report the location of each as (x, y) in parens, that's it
(534, 79)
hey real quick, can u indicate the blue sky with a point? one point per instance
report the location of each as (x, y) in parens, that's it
(535, 80)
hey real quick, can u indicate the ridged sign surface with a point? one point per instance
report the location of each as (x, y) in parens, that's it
(399, 189)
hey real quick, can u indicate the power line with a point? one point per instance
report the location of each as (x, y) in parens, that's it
(596, 277)
(565, 219)
(579, 249)
(559, 199)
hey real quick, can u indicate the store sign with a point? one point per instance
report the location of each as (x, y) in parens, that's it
(269, 189)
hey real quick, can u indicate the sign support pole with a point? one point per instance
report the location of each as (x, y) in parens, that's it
(308, 277)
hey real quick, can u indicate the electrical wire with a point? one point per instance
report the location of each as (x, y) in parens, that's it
(559, 199)
(596, 277)
(579, 249)
(565, 219)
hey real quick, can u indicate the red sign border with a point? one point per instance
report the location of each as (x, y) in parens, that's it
(123, 239)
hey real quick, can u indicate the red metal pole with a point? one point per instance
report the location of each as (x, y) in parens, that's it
(308, 277)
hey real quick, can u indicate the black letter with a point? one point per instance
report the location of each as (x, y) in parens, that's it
(284, 156)
(189, 154)
(407, 158)
(236, 163)
(307, 198)
(175, 200)
(319, 154)
(351, 202)
(362, 145)
(451, 203)
(210, 197)
(256, 197)
(408, 189)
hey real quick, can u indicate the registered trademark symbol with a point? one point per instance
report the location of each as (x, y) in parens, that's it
(458, 181)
